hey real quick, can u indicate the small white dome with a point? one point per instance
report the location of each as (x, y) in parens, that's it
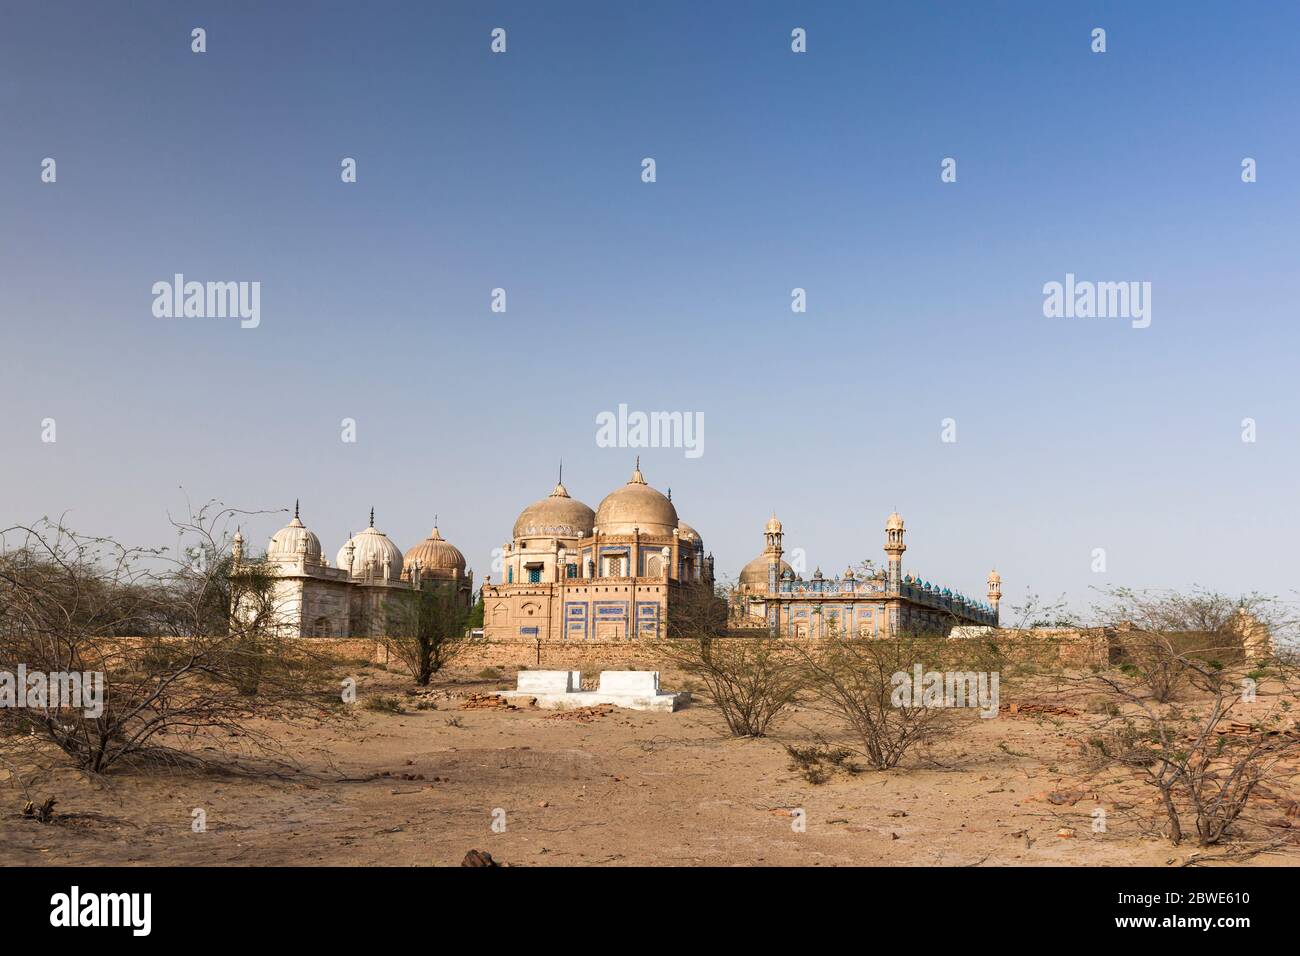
(370, 547)
(287, 543)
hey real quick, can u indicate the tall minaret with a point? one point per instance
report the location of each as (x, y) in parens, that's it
(995, 591)
(894, 549)
(772, 549)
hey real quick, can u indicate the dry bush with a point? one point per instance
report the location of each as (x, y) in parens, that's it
(1215, 757)
(752, 682)
(1157, 635)
(855, 681)
(426, 629)
(818, 763)
(153, 628)
(1206, 758)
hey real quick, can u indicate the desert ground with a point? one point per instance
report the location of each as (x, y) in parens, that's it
(605, 787)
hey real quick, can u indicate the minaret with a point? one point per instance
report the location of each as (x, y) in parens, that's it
(894, 549)
(995, 591)
(237, 549)
(772, 548)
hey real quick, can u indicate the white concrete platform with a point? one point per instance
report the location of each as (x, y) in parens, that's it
(562, 690)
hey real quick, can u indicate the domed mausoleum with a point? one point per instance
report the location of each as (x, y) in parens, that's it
(615, 573)
(357, 595)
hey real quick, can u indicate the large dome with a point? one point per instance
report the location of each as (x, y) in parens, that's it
(435, 554)
(754, 574)
(369, 549)
(286, 543)
(636, 506)
(556, 516)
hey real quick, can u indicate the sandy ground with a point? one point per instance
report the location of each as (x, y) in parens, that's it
(620, 788)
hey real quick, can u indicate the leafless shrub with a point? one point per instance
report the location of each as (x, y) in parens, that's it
(1215, 757)
(155, 626)
(1158, 635)
(751, 682)
(426, 629)
(855, 681)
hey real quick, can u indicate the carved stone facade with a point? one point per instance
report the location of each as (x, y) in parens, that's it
(613, 574)
(353, 597)
(770, 596)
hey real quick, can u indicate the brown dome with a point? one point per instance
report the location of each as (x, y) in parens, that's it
(435, 554)
(636, 506)
(754, 574)
(556, 516)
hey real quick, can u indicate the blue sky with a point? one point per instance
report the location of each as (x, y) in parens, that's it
(775, 170)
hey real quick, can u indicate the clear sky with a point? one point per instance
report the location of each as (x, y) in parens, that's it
(775, 170)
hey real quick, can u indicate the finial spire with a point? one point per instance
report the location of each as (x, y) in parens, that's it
(561, 481)
(372, 516)
(670, 492)
(295, 507)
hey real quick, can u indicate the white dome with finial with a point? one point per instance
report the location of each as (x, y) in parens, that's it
(369, 549)
(293, 540)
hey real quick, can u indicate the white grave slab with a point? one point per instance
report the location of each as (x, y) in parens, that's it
(562, 690)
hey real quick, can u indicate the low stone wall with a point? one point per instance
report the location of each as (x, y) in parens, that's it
(1043, 647)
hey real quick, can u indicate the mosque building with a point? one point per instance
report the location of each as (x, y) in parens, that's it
(616, 573)
(629, 570)
(352, 598)
(770, 596)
